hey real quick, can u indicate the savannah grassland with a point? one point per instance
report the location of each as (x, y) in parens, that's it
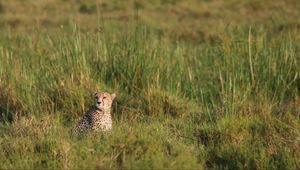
(200, 84)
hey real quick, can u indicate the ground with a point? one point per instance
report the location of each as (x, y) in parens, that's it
(199, 84)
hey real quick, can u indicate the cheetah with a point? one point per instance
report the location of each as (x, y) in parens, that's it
(98, 117)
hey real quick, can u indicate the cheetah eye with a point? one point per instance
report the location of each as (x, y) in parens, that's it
(97, 97)
(104, 97)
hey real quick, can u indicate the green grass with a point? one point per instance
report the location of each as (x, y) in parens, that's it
(227, 100)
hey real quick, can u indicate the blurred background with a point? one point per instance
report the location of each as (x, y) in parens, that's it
(176, 20)
(200, 84)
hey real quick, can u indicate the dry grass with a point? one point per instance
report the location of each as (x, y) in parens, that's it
(195, 88)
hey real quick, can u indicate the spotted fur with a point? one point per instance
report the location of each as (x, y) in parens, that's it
(98, 117)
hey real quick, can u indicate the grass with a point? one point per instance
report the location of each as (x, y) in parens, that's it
(227, 98)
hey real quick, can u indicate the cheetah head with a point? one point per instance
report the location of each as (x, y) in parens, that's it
(103, 100)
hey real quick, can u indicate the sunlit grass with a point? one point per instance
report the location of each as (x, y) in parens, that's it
(178, 106)
(198, 86)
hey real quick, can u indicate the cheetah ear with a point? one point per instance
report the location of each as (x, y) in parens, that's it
(113, 95)
(95, 92)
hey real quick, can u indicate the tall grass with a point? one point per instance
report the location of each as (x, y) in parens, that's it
(229, 102)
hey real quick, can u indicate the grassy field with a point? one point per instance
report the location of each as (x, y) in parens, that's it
(209, 84)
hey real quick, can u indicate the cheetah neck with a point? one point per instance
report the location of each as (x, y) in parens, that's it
(105, 111)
